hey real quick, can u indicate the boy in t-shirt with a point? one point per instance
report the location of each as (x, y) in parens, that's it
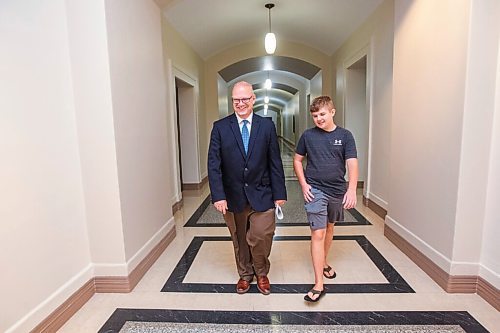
(328, 148)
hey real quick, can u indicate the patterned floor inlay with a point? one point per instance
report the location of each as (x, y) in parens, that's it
(395, 283)
(294, 215)
(134, 327)
(164, 320)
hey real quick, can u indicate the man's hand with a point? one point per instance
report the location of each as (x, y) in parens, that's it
(279, 202)
(306, 191)
(350, 199)
(221, 206)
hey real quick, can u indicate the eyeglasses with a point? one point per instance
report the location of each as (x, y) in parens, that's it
(244, 100)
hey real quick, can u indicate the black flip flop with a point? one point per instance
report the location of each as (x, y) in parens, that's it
(327, 270)
(314, 292)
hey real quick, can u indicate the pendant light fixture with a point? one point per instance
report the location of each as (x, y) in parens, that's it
(268, 84)
(270, 40)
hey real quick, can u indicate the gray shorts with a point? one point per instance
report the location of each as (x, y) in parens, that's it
(323, 209)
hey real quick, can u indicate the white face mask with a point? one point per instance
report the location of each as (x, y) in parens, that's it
(279, 212)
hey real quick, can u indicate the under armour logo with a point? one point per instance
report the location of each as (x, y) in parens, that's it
(338, 143)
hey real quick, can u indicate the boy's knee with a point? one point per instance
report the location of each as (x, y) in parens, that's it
(318, 234)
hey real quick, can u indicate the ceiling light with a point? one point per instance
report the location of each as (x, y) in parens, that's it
(268, 84)
(270, 40)
(265, 109)
(266, 99)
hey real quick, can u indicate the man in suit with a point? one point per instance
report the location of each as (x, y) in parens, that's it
(246, 180)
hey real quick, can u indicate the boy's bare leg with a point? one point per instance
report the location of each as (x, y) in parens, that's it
(318, 258)
(328, 243)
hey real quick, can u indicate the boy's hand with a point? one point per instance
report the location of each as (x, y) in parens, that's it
(306, 191)
(350, 199)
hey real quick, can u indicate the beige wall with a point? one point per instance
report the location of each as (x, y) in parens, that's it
(181, 58)
(86, 112)
(290, 110)
(356, 115)
(436, 129)
(45, 253)
(315, 89)
(476, 134)
(223, 104)
(188, 136)
(94, 120)
(490, 251)
(373, 39)
(455, 88)
(316, 86)
(444, 116)
(140, 114)
(428, 103)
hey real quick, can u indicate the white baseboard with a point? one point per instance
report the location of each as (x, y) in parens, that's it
(148, 247)
(125, 268)
(121, 271)
(490, 276)
(198, 180)
(378, 200)
(105, 269)
(435, 256)
(187, 180)
(175, 199)
(52, 302)
(464, 268)
(453, 268)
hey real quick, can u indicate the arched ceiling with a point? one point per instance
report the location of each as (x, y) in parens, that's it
(279, 86)
(271, 107)
(211, 26)
(277, 97)
(285, 86)
(267, 63)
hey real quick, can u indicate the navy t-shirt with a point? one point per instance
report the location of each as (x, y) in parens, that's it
(326, 153)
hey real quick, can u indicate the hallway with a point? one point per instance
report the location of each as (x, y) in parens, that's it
(107, 108)
(201, 261)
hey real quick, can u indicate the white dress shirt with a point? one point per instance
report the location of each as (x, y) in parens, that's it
(249, 119)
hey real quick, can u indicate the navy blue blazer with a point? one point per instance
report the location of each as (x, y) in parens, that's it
(256, 178)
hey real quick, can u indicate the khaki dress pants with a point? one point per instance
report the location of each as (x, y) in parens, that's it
(252, 235)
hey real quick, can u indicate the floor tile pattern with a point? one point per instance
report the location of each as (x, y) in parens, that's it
(395, 283)
(293, 211)
(360, 254)
(453, 321)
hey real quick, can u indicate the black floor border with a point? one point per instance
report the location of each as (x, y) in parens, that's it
(459, 318)
(396, 283)
(193, 220)
(198, 213)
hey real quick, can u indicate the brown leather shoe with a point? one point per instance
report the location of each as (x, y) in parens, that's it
(263, 285)
(242, 286)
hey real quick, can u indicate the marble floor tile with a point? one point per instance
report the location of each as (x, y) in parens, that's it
(213, 264)
(259, 321)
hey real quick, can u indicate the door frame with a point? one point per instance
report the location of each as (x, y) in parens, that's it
(174, 72)
(365, 51)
